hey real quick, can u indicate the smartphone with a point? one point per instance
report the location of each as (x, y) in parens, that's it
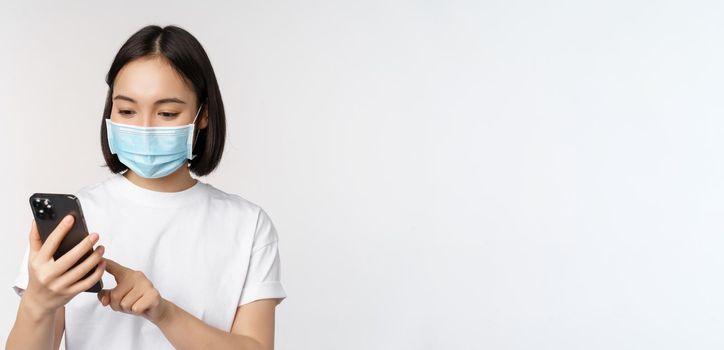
(49, 209)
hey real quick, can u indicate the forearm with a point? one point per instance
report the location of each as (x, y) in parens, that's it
(33, 328)
(185, 331)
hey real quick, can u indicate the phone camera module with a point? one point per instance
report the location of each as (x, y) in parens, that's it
(44, 208)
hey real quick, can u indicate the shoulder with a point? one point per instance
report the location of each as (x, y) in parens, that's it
(97, 191)
(235, 204)
(253, 219)
(230, 201)
(253, 213)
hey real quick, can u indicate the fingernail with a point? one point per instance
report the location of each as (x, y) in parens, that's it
(101, 249)
(93, 237)
(67, 219)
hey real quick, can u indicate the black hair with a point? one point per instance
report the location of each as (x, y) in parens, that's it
(186, 55)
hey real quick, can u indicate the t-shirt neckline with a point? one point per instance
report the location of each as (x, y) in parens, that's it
(144, 196)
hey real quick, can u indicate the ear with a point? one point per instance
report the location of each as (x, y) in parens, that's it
(204, 122)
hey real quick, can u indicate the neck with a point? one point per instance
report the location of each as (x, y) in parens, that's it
(177, 181)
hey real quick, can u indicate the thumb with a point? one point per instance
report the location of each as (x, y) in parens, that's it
(104, 296)
(34, 238)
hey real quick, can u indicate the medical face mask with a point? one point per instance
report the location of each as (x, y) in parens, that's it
(151, 152)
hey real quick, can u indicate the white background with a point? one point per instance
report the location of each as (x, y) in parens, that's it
(442, 174)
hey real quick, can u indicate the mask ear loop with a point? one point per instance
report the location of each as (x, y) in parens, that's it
(197, 113)
(194, 134)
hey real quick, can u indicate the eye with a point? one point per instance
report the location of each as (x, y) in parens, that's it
(168, 114)
(125, 112)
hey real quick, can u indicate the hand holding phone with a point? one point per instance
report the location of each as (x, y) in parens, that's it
(61, 262)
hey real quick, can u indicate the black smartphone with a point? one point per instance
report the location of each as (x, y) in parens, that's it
(49, 209)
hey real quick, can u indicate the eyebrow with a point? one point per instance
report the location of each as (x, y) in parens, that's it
(163, 100)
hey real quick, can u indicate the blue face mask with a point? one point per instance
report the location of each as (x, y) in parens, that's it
(151, 152)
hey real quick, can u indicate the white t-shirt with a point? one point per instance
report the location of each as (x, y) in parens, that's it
(205, 250)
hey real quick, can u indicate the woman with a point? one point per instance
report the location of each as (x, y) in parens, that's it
(194, 267)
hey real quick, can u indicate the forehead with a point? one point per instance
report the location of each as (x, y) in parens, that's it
(149, 79)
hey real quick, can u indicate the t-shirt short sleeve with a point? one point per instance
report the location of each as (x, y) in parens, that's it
(263, 278)
(21, 279)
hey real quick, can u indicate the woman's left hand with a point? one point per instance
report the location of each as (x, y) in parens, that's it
(134, 293)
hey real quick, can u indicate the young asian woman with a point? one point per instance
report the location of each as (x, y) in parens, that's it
(188, 266)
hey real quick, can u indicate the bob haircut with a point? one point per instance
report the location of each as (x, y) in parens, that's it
(186, 55)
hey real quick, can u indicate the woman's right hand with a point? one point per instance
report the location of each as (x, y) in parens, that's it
(52, 283)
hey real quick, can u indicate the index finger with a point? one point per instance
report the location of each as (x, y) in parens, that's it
(53, 241)
(114, 268)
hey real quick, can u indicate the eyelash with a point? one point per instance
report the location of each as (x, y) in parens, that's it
(170, 115)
